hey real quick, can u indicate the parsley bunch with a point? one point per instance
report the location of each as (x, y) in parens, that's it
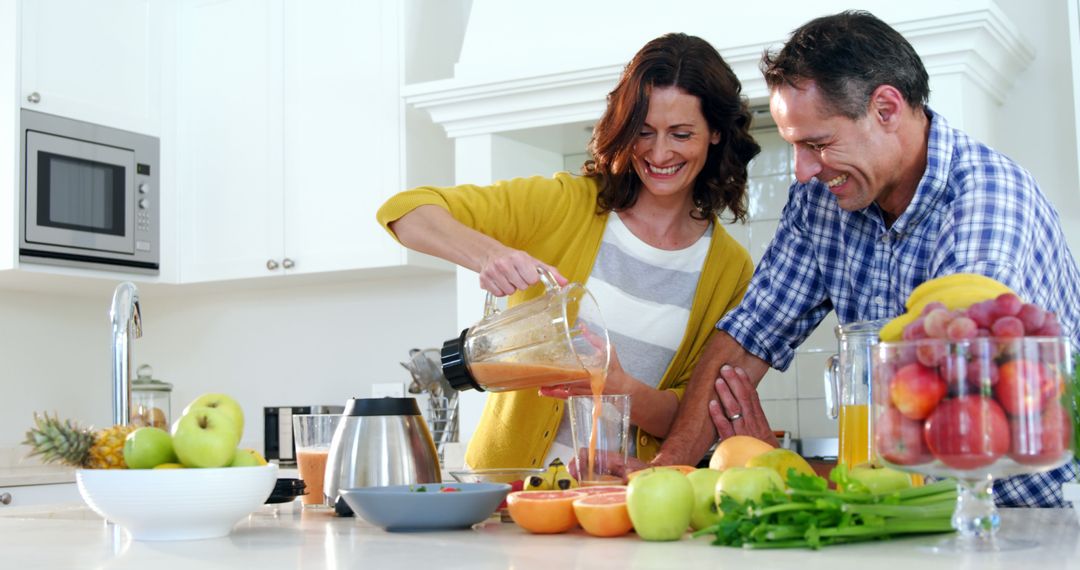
(810, 515)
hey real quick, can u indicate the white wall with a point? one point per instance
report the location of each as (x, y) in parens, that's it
(1035, 124)
(295, 345)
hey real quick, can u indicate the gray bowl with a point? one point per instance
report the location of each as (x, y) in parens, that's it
(407, 508)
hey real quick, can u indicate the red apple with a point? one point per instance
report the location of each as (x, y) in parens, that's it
(1041, 440)
(1024, 387)
(967, 432)
(915, 390)
(899, 439)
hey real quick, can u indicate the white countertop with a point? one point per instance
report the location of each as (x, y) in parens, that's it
(289, 537)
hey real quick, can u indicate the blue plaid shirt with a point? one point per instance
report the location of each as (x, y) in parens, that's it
(974, 211)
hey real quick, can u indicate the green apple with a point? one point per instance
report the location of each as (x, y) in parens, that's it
(747, 483)
(223, 403)
(880, 479)
(660, 502)
(148, 447)
(205, 437)
(247, 457)
(705, 513)
(780, 460)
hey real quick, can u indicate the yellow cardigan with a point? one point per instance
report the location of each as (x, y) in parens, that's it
(555, 221)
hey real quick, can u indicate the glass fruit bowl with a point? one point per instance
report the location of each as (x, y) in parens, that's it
(975, 410)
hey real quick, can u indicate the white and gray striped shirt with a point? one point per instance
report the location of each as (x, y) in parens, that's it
(644, 294)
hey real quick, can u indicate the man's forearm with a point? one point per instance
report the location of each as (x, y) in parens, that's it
(693, 431)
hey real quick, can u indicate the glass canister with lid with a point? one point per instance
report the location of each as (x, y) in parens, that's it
(150, 400)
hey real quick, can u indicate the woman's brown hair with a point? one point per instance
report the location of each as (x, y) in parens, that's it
(693, 65)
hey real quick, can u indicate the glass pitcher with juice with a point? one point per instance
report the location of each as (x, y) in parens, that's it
(847, 389)
(554, 339)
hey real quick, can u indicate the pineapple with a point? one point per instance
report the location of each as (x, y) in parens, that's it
(65, 442)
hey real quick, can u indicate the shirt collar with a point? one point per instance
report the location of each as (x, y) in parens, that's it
(932, 186)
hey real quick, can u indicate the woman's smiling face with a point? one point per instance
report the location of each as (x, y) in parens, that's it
(673, 144)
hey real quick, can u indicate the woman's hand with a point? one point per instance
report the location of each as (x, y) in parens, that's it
(739, 410)
(614, 383)
(506, 270)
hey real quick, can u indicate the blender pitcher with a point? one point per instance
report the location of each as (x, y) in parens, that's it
(847, 389)
(557, 338)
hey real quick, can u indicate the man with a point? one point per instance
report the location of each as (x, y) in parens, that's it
(887, 196)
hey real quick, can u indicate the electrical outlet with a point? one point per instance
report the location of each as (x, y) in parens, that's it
(388, 390)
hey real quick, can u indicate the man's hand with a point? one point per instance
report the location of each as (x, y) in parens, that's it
(694, 431)
(738, 410)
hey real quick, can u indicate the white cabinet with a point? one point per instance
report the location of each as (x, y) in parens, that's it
(289, 136)
(35, 495)
(94, 61)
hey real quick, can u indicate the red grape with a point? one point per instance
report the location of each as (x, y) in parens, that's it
(1008, 327)
(1032, 316)
(1050, 326)
(914, 330)
(961, 328)
(982, 313)
(1007, 305)
(935, 322)
(930, 354)
(932, 306)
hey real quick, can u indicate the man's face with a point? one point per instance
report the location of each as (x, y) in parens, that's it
(857, 159)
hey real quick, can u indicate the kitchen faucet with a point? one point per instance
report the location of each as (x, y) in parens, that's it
(126, 322)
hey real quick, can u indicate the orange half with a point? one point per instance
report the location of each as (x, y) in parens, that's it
(603, 514)
(543, 512)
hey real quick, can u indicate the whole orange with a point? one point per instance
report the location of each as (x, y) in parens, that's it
(543, 512)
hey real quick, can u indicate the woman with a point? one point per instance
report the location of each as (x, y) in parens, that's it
(639, 228)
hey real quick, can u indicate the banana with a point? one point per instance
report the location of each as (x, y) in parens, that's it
(956, 291)
(556, 477)
(541, 482)
(544, 481)
(563, 479)
(894, 329)
(980, 286)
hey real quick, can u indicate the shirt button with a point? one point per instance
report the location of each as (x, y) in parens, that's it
(879, 301)
(886, 238)
(547, 433)
(643, 440)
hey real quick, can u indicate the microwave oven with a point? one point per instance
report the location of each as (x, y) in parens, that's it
(89, 195)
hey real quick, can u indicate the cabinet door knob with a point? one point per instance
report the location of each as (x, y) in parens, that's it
(287, 263)
(5, 498)
(34, 97)
(271, 264)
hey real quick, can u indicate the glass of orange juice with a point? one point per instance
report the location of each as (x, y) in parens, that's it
(313, 434)
(600, 426)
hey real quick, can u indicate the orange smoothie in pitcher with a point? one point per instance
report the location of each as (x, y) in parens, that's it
(499, 376)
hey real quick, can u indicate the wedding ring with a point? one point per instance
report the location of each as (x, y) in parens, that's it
(734, 417)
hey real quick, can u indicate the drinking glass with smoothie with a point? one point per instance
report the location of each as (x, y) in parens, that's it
(600, 428)
(313, 434)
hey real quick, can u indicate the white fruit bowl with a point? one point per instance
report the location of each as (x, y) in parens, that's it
(176, 504)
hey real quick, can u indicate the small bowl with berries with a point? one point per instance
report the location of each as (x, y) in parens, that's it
(975, 393)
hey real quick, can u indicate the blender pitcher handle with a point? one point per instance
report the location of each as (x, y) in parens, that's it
(832, 386)
(491, 306)
(547, 279)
